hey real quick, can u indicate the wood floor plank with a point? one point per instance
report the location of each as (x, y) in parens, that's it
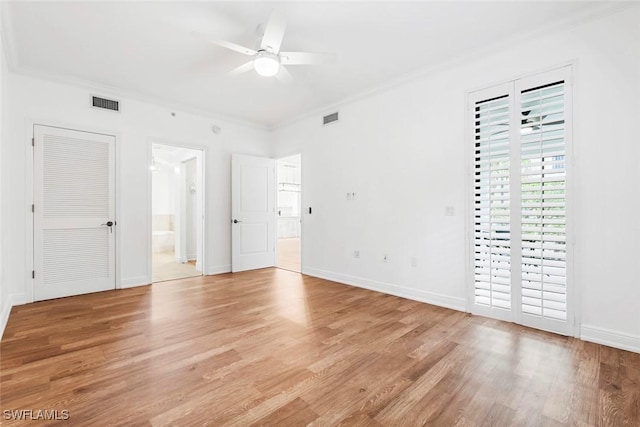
(273, 347)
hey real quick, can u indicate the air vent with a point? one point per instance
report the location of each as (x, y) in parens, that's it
(104, 103)
(330, 118)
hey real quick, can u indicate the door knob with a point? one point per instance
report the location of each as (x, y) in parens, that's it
(235, 221)
(109, 224)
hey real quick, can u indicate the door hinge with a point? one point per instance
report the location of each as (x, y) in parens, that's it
(33, 142)
(33, 208)
(33, 274)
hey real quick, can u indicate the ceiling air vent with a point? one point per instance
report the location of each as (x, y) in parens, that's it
(104, 103)
(330, 118)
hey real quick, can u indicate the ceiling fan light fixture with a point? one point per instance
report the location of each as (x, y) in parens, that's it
(266, 64)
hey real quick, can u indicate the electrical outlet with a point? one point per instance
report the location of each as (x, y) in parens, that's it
(449, 211)
(356, 254)
(349, 196)
(353, 196)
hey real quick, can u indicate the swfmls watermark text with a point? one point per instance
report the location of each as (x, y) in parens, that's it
(35, 414)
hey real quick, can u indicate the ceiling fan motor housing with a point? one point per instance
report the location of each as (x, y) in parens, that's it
(266, 63)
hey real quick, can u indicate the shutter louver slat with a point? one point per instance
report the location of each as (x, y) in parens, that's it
(543, 213)
(492, 247)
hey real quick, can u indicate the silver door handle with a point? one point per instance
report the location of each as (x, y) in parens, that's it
(235, 221)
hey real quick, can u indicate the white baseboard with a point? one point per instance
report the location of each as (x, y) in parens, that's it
(218, 269)
(4, 314)
(12, 301)
(132, 282)
(389, 288)
(611, 338)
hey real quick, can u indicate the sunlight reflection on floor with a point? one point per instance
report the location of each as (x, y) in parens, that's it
(293, 303)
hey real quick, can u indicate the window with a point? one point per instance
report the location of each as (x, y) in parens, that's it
(520, 140)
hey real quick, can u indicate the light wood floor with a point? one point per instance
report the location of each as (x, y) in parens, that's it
(289, 254)
(272, 347)
(165, 267)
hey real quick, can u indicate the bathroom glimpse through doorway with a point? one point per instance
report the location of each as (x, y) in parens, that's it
(177, 202)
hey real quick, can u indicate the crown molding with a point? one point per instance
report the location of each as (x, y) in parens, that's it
(14, 65)
(6, 31)
(605, 9)
(134, 95)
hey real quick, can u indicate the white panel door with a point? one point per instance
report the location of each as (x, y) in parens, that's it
(252, 212)
(74, 203)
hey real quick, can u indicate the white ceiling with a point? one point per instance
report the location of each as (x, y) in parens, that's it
(159, 50)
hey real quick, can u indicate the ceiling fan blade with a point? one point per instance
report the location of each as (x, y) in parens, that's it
(236, 47)
(273, 32)
(299, 58)
(284, 76)
(242, 69)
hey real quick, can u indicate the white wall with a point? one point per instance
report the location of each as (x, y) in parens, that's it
(402, 151)
(5, 304)
(163, 190)
(45, 102)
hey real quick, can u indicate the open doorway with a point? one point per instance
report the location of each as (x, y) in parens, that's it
(177, 212)
(289, 209)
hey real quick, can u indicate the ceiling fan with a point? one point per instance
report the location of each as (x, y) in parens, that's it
(267, 59)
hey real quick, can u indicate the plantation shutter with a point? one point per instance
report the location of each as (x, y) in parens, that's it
(492, 238)
(543, 191)
(521, 134)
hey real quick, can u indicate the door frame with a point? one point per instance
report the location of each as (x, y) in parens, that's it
(205, 209)
(299, 153)
(30, 123)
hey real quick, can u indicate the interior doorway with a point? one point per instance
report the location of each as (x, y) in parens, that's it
(177, 212)
(289, 210)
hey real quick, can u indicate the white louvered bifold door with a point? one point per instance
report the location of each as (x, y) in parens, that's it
(491, 204)
(74, 198)
(543, 109)
(521, 136)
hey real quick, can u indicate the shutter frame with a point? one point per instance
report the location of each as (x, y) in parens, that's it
(527, 213)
